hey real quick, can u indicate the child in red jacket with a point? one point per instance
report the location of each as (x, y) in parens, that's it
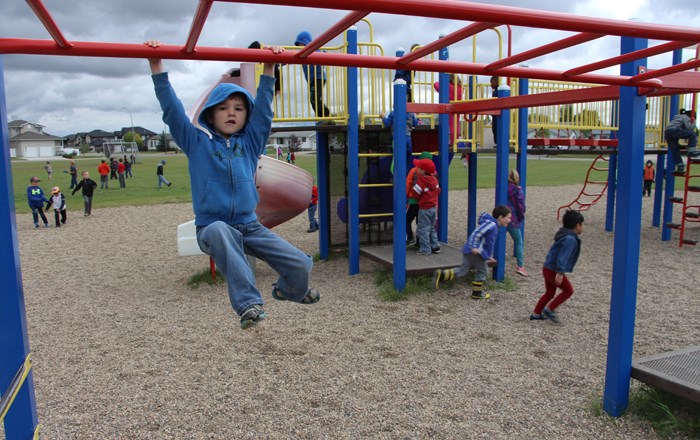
(426, 191)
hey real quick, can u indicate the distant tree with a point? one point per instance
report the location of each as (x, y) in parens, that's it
(163, 144)
(566, 113)
(294, 143)
(136, 138)
(589, 118)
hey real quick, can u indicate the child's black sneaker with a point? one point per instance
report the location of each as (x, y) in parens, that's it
(252, 315)
(480, 295)
(536, 317)
(435, 250)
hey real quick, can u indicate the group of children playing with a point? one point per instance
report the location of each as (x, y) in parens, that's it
(36, 199)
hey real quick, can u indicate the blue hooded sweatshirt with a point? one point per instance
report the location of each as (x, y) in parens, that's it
(484, 236)
(35, 197)
(311, 73)
(222, 171)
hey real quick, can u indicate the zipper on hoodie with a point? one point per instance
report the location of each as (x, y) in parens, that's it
(230, 178)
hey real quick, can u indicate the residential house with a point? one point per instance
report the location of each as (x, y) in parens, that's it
(28, 140)
(304, 140)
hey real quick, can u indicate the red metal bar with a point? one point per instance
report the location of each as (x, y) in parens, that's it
(114, 50)
(543, 50)
(198, 21)
(454, 37)
(591, 94)
(331, 33)
(631, 56)
(45, 17)
(474, 12)
(665, 71)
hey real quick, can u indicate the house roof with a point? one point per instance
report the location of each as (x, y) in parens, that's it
(21, 122)
(140, 130)
(34, 136)
(100, 133)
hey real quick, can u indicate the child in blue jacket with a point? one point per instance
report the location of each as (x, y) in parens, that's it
(478, 251)
(224, 196)
(36, 200)
(561, 258)
(315, 77)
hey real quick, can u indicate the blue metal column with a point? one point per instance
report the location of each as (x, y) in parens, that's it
(322, 173)
(521, 165)
(658, 189)
(625, 270)
(443, 151)
(502, 160)
(612, 170)
(471, 169)
(612, 189)
(353, 163)
(670, 163)
(21, 419)
(399, 130)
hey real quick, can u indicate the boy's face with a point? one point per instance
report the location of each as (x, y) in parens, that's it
(578, 229)
(86, 175)
(229, 117)
(504, 220)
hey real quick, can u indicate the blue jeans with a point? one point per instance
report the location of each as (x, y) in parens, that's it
(228, 246)
(672, 135)
(517, 236)
(162, 180)
(427, 235)
(313, 224)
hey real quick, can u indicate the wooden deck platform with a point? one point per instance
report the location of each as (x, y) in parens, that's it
(415, 264)
(677, 372)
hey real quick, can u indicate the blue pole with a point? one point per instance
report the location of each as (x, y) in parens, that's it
(658, 190)
(471, 169)
(612, 170)
(353, 163)
(443, 150)
(21, 420)
(399, 130)
(502, 159)
(612, 189)
(523, 85)
(625, 269)
(322, 162)
(670, 163)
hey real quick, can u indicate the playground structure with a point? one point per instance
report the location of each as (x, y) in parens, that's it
(632, 87)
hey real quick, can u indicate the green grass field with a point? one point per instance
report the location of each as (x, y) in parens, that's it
(143, 188)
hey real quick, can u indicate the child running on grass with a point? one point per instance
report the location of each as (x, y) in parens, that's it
(478, 251)
(561, 258)
(224, 197)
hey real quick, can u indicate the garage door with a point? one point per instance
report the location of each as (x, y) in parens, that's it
(39, 151)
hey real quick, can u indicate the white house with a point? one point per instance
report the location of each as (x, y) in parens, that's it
(28, 140)
(305, 139)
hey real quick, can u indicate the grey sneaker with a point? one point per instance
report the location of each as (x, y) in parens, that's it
(252, 315)
(552, 316)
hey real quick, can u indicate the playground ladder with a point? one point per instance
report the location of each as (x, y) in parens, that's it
(690, 213)
(591, 191)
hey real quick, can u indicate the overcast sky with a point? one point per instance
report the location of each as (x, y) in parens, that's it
(71, 94)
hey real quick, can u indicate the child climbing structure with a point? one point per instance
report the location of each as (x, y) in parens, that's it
(631, 87)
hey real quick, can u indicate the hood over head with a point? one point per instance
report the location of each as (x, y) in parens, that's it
(303, 39)
(221, 93)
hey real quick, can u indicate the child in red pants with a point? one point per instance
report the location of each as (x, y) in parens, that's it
(561, 258)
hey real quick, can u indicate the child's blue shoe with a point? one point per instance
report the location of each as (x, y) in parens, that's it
(551, 316)
(252, 316)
